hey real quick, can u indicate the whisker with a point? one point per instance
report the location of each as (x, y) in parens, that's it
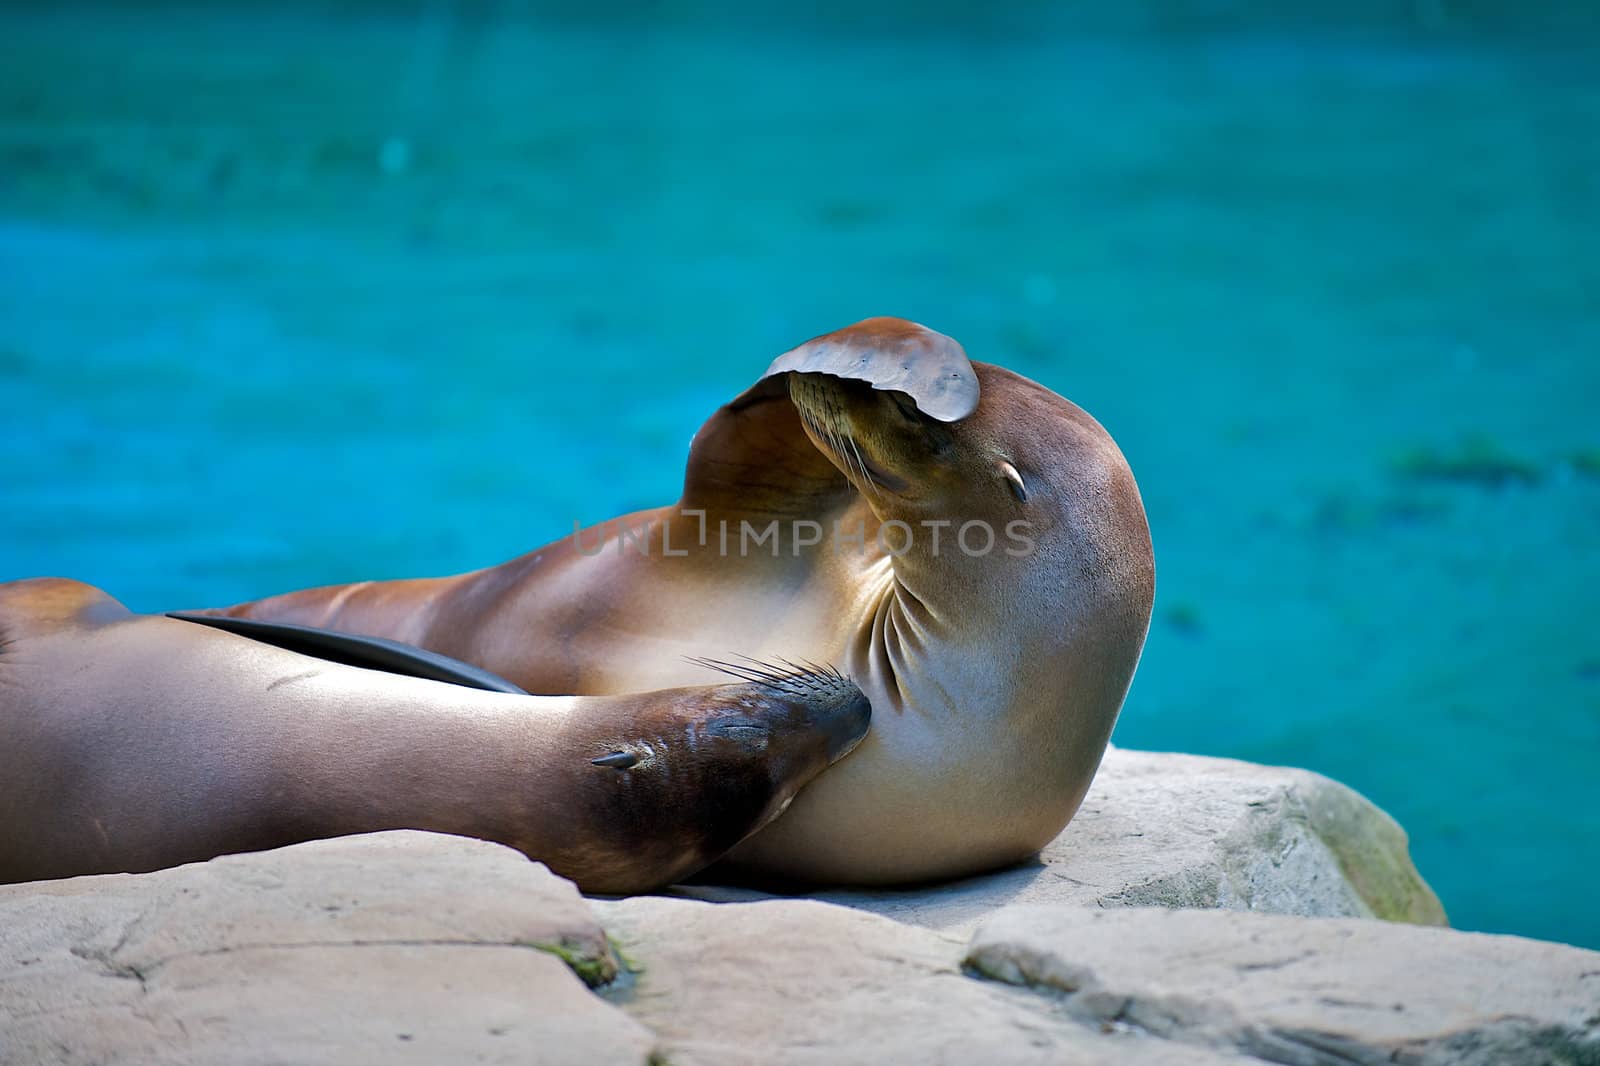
(790, 677)
(866, 475)
(839, 441)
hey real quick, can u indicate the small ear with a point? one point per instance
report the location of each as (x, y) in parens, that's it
(892, 354)
(617, 760)
(1013, 477)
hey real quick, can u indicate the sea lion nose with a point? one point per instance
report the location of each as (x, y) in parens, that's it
(816, 701)
(842, 714)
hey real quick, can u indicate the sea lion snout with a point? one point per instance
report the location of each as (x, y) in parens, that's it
(804, 704)
(877, 439)
(681, 776)
(841, 712)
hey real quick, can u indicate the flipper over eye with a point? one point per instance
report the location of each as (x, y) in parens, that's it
(892, 354)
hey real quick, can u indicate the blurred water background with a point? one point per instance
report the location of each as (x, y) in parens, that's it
(300, 293)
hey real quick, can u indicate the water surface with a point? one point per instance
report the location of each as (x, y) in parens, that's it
(321, 293)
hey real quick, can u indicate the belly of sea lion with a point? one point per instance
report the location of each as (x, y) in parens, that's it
(916, 801)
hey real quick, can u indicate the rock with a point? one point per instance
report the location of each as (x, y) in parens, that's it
(398, 947)
(415, 948)
(1188, 831)
(1303, 991)
(786, 982)
(800, 982)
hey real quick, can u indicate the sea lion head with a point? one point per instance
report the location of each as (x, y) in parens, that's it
(667, 782)
(921, 432)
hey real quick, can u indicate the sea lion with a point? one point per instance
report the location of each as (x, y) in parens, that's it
(136, 742)
(990, 592)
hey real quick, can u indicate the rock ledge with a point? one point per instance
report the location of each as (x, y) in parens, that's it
(409, 947)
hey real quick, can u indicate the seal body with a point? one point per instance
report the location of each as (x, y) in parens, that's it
(137, 742)
(985, 576)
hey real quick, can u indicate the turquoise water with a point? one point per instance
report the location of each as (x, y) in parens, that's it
(353, 291)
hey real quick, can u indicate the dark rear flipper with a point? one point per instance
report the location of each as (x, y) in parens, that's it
(372, 653)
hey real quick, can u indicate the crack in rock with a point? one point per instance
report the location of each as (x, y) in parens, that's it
(1082, 995)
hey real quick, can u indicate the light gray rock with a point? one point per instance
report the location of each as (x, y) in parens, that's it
(414, 948)
(1188, 831)
(1303, 991)
(395, 948)
(800, 982)
(794, 983)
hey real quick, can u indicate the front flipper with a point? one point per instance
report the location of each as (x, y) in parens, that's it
(892, 355)
(372, 653)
